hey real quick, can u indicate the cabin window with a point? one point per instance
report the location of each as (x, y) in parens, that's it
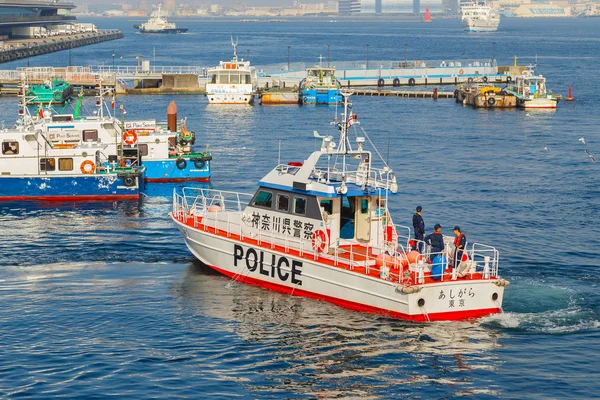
(143, 148)
(47, 164)
(90, 135)
(234, 78)
(327, 206)
(10, 148)
(65, 164)
(224, 78)
(213, 79)
(248, 80)
(364, 206)
(283, 203)
(299, 205)
(62, 118)
(264, 199)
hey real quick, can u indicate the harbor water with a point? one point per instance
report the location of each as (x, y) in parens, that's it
(104, 299)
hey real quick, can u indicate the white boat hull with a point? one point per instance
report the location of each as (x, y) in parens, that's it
(539, 103)
(229, 94)
(300, 274)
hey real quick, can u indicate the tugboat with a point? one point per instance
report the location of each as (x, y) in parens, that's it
(322, 229)
(232, 82)
(531, 91)
(36, 164)
(320, 86)
(165, 148)
(159, 24)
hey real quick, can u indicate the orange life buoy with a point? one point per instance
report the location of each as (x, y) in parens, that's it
(87, 167)
(130, 137)
(461, 71)
(319, 241)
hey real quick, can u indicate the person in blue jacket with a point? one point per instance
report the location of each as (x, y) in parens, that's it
(436, 240)
(419, 227)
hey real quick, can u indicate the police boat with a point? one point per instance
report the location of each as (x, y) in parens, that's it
(322, 229)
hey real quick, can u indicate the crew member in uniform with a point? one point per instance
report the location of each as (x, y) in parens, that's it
(460, 241)
(436, 240)
(419, 227)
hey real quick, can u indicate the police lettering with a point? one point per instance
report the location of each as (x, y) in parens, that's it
(274, 267)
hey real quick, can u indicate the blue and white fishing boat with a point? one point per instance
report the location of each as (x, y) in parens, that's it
(320, 86)
(165, 148)
(36, 164)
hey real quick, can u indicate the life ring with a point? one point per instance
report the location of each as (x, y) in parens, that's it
(380, 82)
(491, 101)
(128, 181)
(87, 167)
(396, 82)
(485, 79)
(129, 137)
(461, 71)
(319, 241)
(183, 142)
(199, 163)
(470, 80)
(181, 163)
(57, 95)
(509, 79)
(411, 82)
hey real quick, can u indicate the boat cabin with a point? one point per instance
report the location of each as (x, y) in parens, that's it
(232, 73)
(321, 76)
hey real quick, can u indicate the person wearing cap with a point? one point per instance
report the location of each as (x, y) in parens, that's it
(436, 240)
(460, 241)
(419, 226)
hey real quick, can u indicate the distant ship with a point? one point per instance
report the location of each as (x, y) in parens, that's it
(159, 24)
(479, 17)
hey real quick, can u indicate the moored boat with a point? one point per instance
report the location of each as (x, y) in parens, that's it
(531, 91)
(56, 91)
(320, 86)
(36, 165)
(279, 94)
(232, 82)
(322, 229)
(166, 149)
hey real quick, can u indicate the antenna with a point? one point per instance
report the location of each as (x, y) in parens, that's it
(234, 44)
(279, 154)
(388, 155)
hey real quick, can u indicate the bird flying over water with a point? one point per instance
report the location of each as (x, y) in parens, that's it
(527, 114)
(546, 148)
(582, 140)
(590, 156)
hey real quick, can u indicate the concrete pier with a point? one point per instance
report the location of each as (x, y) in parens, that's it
(23, 48)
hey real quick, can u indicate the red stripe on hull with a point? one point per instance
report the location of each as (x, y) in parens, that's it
(446, 316)
(174, 180)
(73, 198)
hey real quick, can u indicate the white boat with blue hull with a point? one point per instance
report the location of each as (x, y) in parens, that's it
(165, 148)
(35, 167)
(320, 86)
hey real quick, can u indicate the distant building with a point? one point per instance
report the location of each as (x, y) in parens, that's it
(392, 6)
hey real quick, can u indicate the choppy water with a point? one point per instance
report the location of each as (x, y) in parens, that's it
(104, 299)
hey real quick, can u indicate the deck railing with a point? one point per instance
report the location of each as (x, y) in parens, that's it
(223, 212)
